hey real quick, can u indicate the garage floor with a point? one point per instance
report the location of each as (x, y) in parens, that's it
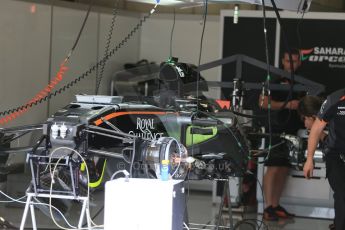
(201, 212)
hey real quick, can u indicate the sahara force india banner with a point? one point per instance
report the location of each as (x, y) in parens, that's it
(322, 46)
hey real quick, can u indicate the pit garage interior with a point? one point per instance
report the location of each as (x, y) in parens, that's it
(144, 114)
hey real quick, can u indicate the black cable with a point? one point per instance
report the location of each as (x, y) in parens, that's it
(200, 51)
(289, 96)
(268, 79)
(172, 33)
(260, 153)
(85, 74)
(107, 45)
(298, 32)
(83, 25)
(266, 40)
(287, 47)
(80, 31)
(199, 61)
(263, 201)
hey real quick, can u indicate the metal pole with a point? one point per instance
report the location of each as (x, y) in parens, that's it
(82, 213)
(26, 209)
(33, 217)
(227, 184)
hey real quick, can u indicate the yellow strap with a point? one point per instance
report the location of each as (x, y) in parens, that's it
(82, 167)
(99, 181)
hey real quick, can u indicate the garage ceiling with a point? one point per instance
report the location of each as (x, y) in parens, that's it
(316, 5)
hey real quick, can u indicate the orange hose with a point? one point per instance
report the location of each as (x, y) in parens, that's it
(41, 95)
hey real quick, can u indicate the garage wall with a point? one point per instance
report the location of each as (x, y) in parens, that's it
(24, 56)
(35, 39)
(90, 49)
(66, 24)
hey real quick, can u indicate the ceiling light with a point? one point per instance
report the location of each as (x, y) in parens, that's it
(292, 5)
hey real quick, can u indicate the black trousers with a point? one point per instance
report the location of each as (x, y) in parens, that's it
(336, 177)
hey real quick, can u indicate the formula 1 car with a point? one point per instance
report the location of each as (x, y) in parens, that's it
(106, 134)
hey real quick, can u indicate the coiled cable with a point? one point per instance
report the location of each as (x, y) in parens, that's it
(107, 45)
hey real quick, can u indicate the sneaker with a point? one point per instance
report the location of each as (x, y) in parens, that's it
(270, 214)
(282, 213)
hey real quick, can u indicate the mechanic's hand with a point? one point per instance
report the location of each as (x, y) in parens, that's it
(293, 104)
(308, 169)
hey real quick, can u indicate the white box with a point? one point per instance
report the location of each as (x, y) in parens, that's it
(144, 204)
(100, 99)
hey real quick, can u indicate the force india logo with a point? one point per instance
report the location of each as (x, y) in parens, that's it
(145, 129)
(334, 55)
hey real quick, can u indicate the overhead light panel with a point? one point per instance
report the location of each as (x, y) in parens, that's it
(292, 5)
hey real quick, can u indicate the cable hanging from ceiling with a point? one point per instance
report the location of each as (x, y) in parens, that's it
(107, 46)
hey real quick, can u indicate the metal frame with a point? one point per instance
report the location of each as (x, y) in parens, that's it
(36, 176)
(312, 87)
(84, 210)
